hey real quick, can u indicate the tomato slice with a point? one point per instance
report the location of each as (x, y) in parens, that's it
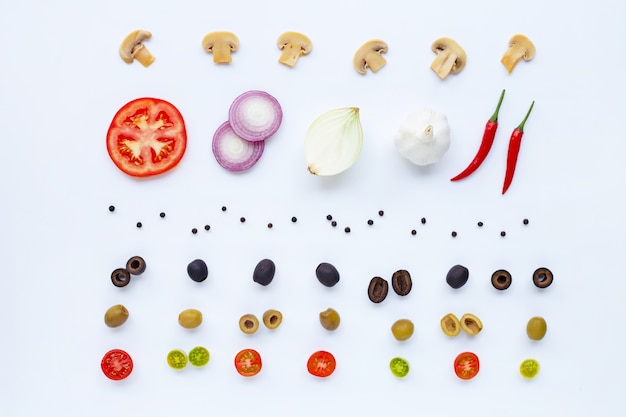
(147, 137)
(116, 364)
(321, 364)
(466, 365)
(248, 362)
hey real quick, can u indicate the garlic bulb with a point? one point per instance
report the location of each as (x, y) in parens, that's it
(424, 137)
(333, 141)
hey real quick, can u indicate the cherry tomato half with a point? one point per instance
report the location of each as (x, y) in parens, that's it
(321, 364)
(147, 137)
(466, 365)
(248, 362)
(117, 364)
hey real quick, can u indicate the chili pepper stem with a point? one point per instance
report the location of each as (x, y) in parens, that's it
(494, 118)
(521, 125)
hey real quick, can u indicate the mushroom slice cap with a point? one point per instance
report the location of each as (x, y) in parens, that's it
(526, 44)
(132, 46)
(369, 56)
(450, 46)
(293, 45)
(220, 44)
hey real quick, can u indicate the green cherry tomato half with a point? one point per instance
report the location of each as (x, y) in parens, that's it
(399, 367)
(177, 359)
(199, 356)
(321, 364)
(466, 365)
(116, 364)
(248, 362)
(529, 368)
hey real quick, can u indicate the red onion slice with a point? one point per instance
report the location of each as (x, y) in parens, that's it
(234, 153)
(255, 115)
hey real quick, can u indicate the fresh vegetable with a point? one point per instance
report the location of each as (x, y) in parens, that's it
(248, 362)
(177, 359)
(424, 137)
(117, 364)
(466, 365)
(399, 367)
(132, 48)
(272, 319)
(234, 153)
(450, 325)
(514, 146)
(451, 58)
(321, 364)
(485, 145)
(519, 47)
(333, 141)
(294, 45)
(136, 265)
(147, 137)
(402, 329)
(369, 55)
(529, 368)
(190, 318)
(255, 115)
(220, 44)
(330, 319)
(199, 356)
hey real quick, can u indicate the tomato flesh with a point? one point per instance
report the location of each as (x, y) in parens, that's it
(321, 364)
(248, 362)
(116, 364)
(147, 137)
(466, 365)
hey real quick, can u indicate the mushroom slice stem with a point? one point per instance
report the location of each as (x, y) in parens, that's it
(290, 55)
(221, 44)
(144, 56)
(221, 53)
(519, 47)
(132, 48)
(369, 55)
(375, 61)
(443, 64)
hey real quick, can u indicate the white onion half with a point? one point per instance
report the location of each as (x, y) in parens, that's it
(333, 141)
(255, 115)
(234, 153)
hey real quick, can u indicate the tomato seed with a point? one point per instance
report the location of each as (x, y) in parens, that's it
(111, 208)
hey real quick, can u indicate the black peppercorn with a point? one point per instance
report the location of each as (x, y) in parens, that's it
(223, 208)
(347, 230)
(503, 233)
(162, 214)
(370, 222)
(242, 220)
(333, 223)
(525, 221)
(423, 220)
(194, 230)
(111, 208)
(207, 227)
(270, 225)
(381, 213)
(413, 232)
(329, 217)
(453, 234)
(139, 224)
(294, 219)
(480, 224)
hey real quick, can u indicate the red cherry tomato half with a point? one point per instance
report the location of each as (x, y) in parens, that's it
(321, 364)
(117, 364)
(248, 362)
(147, 137)
(466, 365)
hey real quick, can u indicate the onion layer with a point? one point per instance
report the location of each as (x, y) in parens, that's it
(255, 115)
(234, 153)
(334, 141)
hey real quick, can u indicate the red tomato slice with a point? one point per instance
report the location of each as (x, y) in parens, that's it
(117, 364)
(248, 362)
(147, 137)
(466, 365)
(321, 364)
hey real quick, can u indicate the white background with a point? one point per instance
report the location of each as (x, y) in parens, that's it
(61, 82)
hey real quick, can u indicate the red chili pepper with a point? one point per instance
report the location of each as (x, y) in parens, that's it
(514, 145)
(485, 145)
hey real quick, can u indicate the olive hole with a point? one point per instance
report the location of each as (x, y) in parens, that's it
(135, 264)
(472, 325)
(501, 279)
(541, 277)
(273, 320)
(249, 324)
(120, 277)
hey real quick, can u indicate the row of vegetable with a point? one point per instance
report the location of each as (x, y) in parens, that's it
(450, 57)
(148, 137)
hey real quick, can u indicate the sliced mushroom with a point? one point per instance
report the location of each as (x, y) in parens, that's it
(294, 45)
(519, 47)
(369, 56)
(220, 44)
(133, 48)
(451, 58)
